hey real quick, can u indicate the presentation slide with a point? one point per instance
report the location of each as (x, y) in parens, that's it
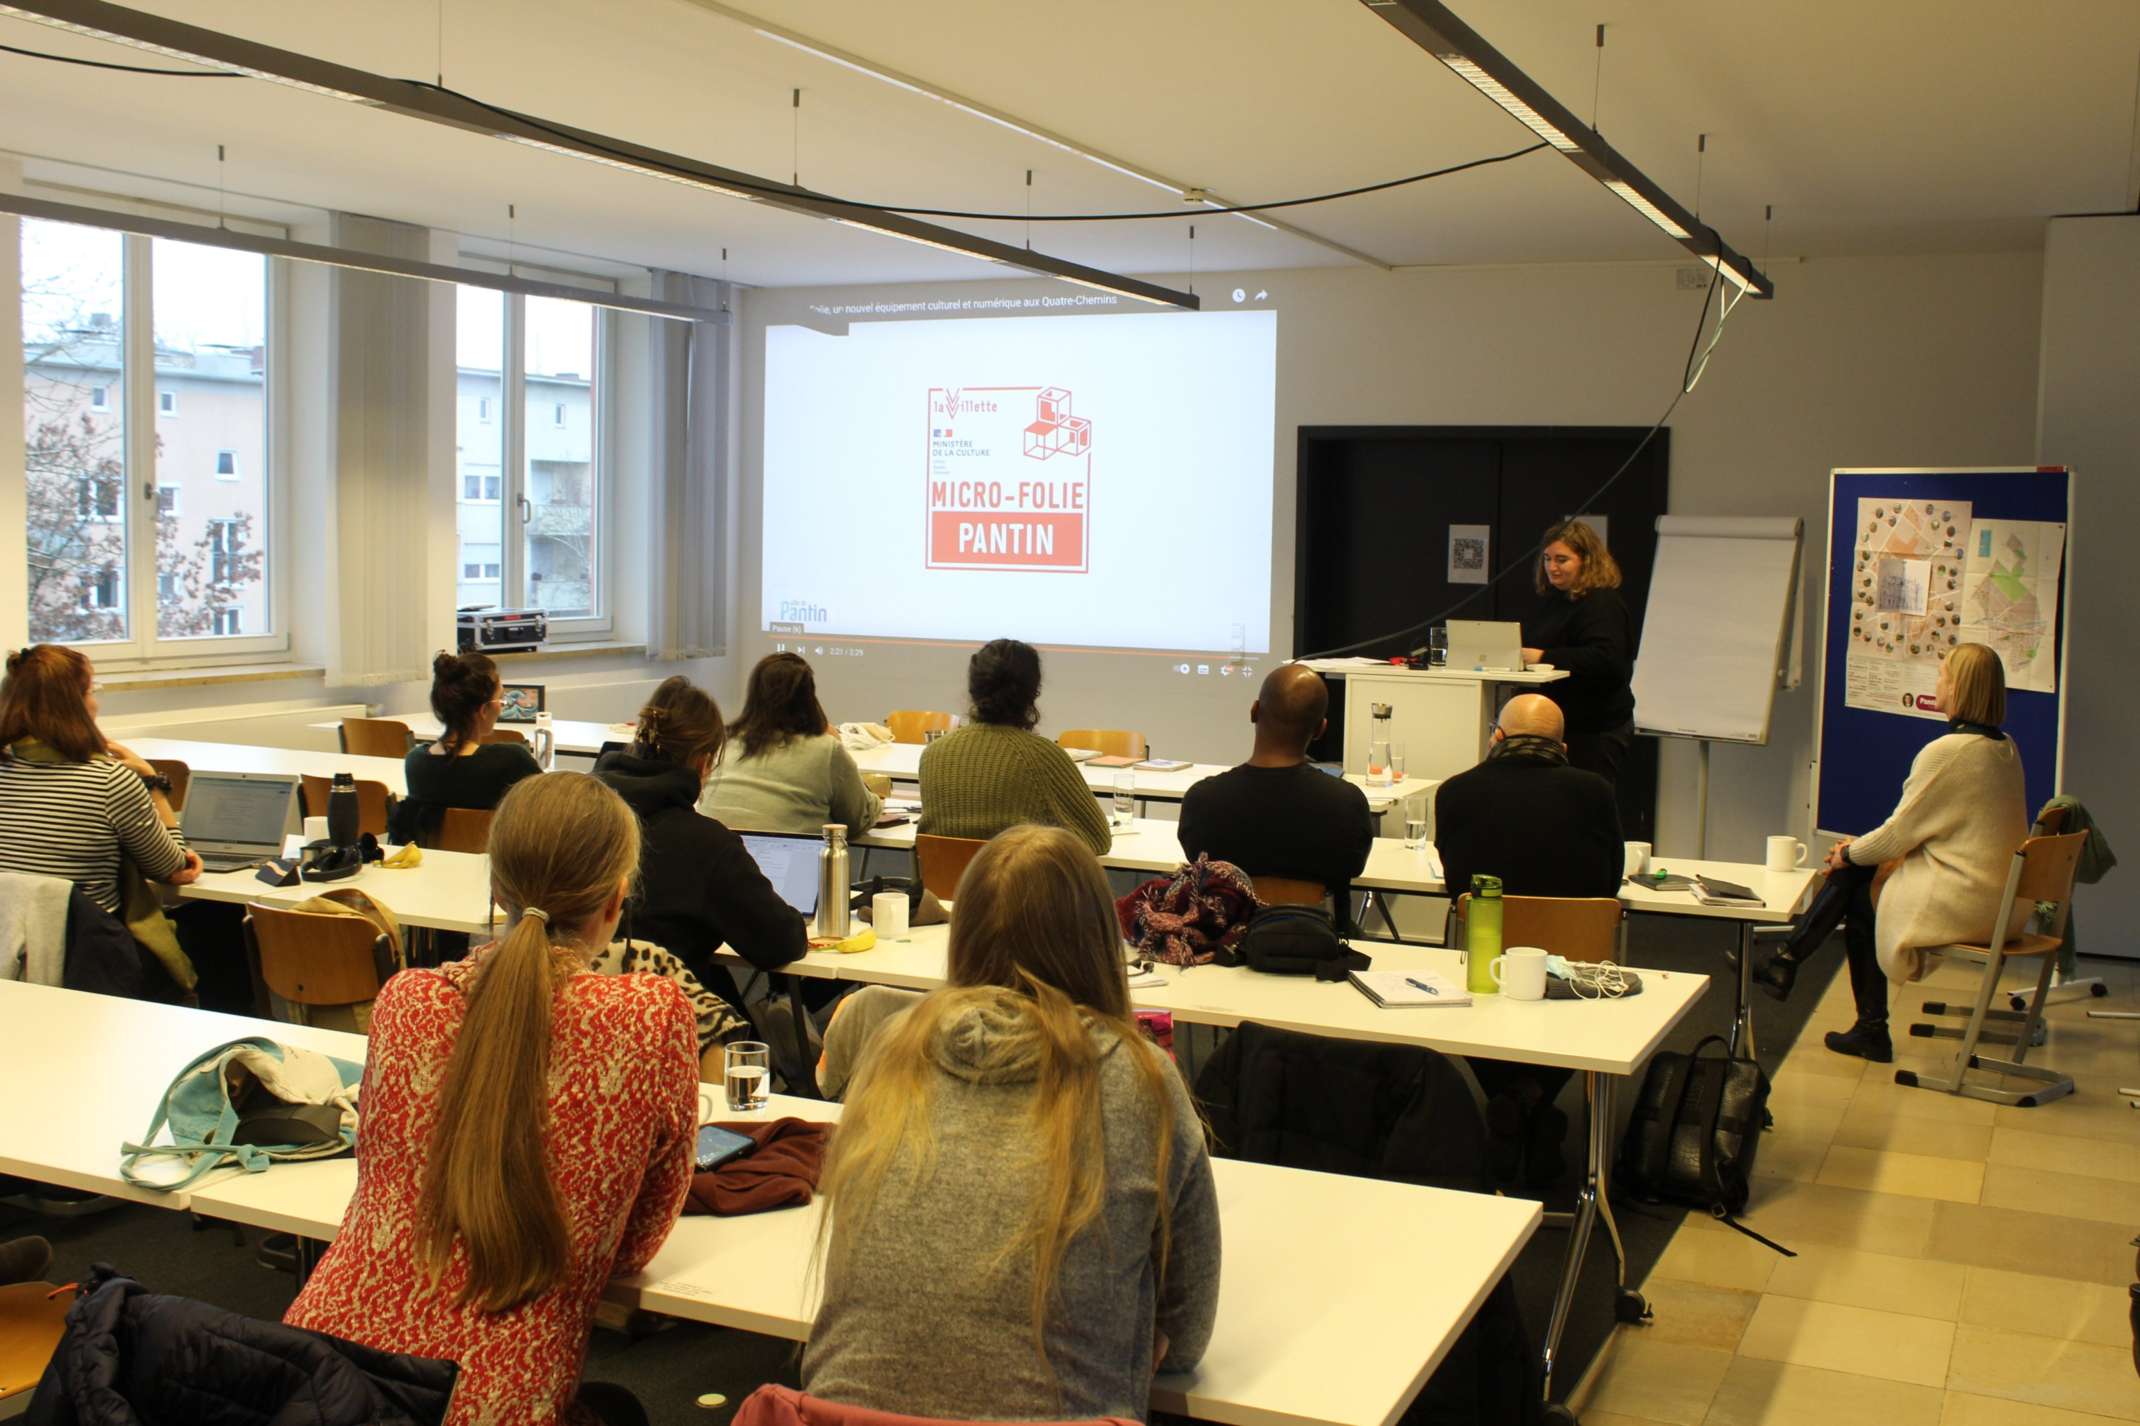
(1102, 481)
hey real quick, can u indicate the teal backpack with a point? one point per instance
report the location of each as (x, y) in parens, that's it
(250, 1102)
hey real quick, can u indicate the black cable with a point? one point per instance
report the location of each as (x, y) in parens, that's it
(1199, 211)
(124, 68)
(1589, 503)
(775, 189)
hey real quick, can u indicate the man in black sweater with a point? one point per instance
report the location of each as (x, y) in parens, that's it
(1546, 829)
(1277, 814)
(1524, 815)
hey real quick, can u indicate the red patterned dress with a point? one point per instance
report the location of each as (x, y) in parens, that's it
(623, 1111)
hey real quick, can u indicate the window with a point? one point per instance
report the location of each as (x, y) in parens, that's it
(108, 510)
(227, 622)
(96, 497)
(541, 359)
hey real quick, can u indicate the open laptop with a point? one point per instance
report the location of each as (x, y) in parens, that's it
(1485, 644)
(237, 819)
(789, 861)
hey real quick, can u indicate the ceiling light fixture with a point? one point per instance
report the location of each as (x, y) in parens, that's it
(201, 235)
(1436, 29)
(175, 39)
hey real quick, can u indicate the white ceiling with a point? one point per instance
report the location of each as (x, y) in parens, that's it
(1894, 126)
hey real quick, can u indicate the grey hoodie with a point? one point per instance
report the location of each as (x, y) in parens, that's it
(923, 1322)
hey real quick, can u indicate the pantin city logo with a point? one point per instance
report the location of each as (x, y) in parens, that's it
(1006, 494)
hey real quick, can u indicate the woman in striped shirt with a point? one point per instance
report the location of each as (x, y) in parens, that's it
(72, 803)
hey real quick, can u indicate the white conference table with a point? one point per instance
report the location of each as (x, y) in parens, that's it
(574, 736)
(1605, 1040)
(1374, 1297)
(450, 891)
(901, 762)
(247, 757)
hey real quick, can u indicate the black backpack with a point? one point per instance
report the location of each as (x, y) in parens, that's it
(1696, 1126)
(1297, 940)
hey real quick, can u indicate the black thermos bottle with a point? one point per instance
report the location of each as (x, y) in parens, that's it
(342, 814)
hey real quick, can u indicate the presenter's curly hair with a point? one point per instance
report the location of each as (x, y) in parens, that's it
(1600, 570)
(1003, 680)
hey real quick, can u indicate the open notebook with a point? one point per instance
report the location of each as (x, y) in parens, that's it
(1408, 989)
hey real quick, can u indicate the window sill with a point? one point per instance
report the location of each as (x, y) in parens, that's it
(202, 676)
(591, 648)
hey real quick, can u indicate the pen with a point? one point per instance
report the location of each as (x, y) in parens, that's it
(1421, 985)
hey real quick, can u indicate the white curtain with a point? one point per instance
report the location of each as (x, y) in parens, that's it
(687, 505)
(380, 403)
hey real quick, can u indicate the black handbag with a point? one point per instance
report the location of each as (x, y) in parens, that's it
(1298, 940)
(1696, 1127)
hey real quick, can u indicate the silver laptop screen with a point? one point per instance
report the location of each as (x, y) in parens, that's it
(246, 811)
(790, 863)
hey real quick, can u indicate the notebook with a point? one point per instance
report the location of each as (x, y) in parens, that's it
(1109, 760)
(1164, 764)
(1715, 891)
(789, 861)
(237, 819)
(1408, 989)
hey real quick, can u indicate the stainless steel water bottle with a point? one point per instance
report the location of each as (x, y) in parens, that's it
(832, 910)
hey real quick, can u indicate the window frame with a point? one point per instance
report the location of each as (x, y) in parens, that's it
(100, 399)
(166, 401)
(513, 500)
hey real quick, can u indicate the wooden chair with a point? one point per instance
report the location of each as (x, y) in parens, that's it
(1284, 890)
(181, 778)
(942, 861)
(33, 1318)
(313, 960)
(374, 802)
(377, 737)
(464, 829)
(504, 735)
(913, 725)
(2042, 870)
(1577, 928)
(1114, 742)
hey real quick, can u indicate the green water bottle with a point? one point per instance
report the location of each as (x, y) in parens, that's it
(1482, 939)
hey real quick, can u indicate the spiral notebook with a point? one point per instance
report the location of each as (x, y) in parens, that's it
(1408, 989)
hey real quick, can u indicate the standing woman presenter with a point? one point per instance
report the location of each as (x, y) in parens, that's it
(1583, 626)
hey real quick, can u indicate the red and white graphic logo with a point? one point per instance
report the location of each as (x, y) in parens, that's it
(987, 512)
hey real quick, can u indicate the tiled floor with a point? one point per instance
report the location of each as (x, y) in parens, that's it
(1959, 1263)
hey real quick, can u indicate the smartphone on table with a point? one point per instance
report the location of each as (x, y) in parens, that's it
(717, 1146)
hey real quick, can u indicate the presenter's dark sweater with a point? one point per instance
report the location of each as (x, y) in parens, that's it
(1593, 638)
(698, 886)
(1280, 821)
(1524, 815)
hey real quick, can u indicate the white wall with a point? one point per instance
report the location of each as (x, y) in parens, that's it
(2091, 421)
(1917, 361)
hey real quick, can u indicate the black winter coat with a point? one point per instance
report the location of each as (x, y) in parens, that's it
(1593, 638)
(698, 887)
(131, 1357)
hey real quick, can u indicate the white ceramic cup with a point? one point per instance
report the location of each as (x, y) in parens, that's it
(315, 829)
(888, 915)
(1637, 860)
(1785, 854)
(1520, 971)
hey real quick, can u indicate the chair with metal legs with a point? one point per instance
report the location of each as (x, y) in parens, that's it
(2042, 871)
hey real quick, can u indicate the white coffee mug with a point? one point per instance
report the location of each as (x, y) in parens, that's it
(1637, 860)
(888, 915)
(1785, 854)
(1520, 971)
(315, 829)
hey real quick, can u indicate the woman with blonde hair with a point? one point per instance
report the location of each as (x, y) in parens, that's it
(1022, 1220)
(527, 1129)
(1963, 812)
(1583, 627)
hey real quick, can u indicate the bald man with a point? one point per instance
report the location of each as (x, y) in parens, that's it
(1277, 814)
(1524, 815)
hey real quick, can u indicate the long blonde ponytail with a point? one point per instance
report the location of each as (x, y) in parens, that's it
(560, 845)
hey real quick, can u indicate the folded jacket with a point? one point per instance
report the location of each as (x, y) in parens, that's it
(780, 1173)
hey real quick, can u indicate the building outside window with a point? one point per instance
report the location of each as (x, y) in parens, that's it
(201, 541)
(227, 622)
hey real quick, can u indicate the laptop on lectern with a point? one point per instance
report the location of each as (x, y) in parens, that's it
(1490, 644)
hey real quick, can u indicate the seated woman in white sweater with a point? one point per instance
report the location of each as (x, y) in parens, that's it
(783, 769)
(1949, 841)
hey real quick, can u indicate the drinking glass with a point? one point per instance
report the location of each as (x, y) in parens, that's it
(1438, 646)
(747, 1074)
(1396, 762)
(1125, 796)
(1415, 824)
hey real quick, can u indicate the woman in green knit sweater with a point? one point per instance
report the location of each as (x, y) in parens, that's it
(996, 772)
